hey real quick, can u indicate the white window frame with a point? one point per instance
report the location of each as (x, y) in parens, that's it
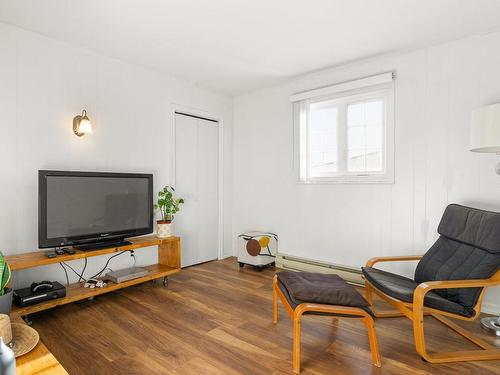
(381, 86)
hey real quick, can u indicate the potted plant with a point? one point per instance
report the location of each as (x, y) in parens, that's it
(5, 292)
(168, 205)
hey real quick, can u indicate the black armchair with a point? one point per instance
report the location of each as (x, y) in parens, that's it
(450, 280)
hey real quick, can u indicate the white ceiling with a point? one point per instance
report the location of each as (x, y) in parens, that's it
(234, 46)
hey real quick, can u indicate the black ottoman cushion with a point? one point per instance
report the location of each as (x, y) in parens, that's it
(300, 287)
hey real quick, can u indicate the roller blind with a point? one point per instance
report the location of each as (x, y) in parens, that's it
(344, 86)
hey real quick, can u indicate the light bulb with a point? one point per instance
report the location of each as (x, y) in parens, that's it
(85, 126)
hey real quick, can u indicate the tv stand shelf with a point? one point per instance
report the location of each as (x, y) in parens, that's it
(168, 264)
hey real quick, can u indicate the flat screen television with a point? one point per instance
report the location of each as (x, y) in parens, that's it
(93, 209)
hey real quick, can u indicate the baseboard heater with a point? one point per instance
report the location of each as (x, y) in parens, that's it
(350, 274)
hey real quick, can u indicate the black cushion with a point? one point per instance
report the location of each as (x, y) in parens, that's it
(301, 287)
(321, 288)
(452, 260)
(468, 248)
(472, 226)
(402, 288)
(294, 304)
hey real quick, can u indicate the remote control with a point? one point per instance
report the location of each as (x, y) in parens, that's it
(68, 250)
(50, 254)
(59, 251)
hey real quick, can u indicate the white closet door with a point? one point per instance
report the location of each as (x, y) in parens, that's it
(196, 180)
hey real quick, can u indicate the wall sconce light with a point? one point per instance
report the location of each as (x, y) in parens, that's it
(82, 124)
(485, 131)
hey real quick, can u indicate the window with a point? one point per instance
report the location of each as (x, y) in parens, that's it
(346, 136)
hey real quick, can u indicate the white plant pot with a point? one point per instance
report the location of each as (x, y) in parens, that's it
(164, 230)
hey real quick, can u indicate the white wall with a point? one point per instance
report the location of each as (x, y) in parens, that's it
(436, 89)
(43, 84)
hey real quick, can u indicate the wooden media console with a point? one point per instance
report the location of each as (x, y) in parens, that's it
(169, 262)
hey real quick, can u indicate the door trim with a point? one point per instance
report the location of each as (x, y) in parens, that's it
(203, 115)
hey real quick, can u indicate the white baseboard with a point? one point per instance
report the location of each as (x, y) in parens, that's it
(350, 274)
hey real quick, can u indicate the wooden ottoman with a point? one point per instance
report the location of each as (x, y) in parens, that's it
(321, 294)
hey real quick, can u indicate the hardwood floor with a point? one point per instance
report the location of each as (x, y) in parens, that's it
(216, 318)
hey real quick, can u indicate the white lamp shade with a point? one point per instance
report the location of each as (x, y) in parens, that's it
(485, 129)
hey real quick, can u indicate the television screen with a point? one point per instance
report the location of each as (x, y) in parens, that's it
(82, 207)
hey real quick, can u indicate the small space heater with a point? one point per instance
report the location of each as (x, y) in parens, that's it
(257, 249)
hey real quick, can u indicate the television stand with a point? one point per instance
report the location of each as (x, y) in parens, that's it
(169, 263)
(102, 245)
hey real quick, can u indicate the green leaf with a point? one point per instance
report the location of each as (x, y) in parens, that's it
(167, 203)
(4, 278)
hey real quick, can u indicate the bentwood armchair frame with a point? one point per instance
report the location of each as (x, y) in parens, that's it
(415, 311)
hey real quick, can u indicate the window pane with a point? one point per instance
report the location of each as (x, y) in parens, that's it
(364, 136)
(356, 160)
(374, 112)
(316, 158)
(356, 137)
(322, 139)
(373, 160)
(374, 136)
(316, 141)
(356, 115)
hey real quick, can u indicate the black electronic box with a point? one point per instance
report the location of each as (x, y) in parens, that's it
(28, 296)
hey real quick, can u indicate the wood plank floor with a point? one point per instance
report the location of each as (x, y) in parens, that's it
(215, 318)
